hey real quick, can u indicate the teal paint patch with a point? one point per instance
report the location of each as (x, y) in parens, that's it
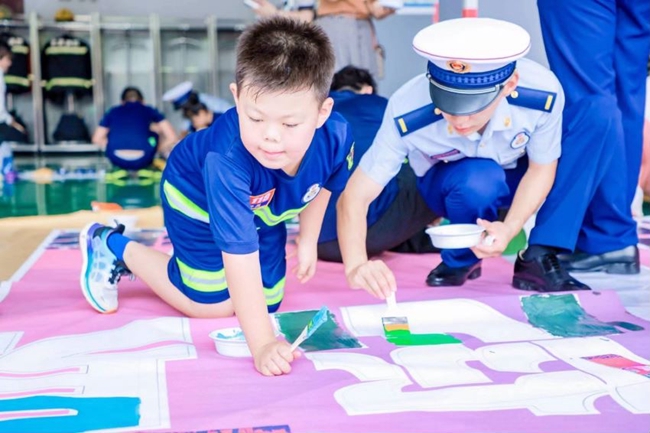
(329, 336)
(405, 338)
(93, 413)
(562, 316)
(627, 326)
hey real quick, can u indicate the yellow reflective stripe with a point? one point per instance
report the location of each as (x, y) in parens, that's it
(275, 294)
(184, 205)
(19, 81)
(202, 281)
(66, 50)
(270, 220)
(20, 49)
(402, 124)
(79, 82)
(549, 99)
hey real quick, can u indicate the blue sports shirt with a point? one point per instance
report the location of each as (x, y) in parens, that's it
(214, 179)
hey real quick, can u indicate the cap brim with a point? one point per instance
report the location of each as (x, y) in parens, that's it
(462, 104)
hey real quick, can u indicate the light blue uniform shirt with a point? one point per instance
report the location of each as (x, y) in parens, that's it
(512, 132)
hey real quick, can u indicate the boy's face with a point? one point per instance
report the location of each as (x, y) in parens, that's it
(277, 128)
(5, 63)
(202, 119)
(469, 124)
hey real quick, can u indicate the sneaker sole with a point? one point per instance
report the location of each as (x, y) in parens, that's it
(83, 246)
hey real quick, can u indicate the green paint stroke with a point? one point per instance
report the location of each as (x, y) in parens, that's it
(405, 338)
(562, 316)
(329, 336)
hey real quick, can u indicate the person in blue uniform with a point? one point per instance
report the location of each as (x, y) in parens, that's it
(398, 216)
(491, 138)
(130, 133)
(10, 130)
(599, 51)
(183, 96)
(227, 191)
(200, 116)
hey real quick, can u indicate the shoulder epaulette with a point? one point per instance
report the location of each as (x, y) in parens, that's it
(417, 119)
(532, 98)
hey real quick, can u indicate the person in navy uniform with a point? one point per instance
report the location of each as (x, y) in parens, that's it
(227, 191)
(397, 218)
(200, 116)
(491, 138)
(129, 132)
(599, 51)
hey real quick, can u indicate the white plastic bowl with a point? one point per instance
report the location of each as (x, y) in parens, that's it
(455, 235)
(231, 342)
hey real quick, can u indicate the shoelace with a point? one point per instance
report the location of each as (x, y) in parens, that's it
(554, 270)
(119, 269)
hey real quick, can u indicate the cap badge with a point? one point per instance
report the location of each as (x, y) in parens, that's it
(458, 67)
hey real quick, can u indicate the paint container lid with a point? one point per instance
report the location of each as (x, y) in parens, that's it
(455, 235)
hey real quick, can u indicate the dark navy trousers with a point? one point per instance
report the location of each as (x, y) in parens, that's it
(600, 49)
(472, 188)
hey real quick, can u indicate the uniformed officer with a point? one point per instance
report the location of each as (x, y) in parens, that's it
(599, 51)
(184, 96)
(491, 138)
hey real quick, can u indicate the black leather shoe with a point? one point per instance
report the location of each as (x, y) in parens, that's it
(544, 274)
(625, 261)
(443, 275)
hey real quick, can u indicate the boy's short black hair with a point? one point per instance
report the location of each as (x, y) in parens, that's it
(5, 49)
(190, 111)
(353, 78)
(132, 94)
(281, 54)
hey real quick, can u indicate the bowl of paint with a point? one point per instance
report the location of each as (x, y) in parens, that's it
(230, 342)
(455, 235)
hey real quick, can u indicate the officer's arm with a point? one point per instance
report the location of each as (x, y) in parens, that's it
(530, 194)
(351, 210)
(100, 137)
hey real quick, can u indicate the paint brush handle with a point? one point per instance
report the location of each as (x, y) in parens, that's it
(391, 302)
(319, 318)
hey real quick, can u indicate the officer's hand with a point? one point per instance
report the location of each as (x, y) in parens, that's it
(496, 238)
(273, 359)
(374, 277)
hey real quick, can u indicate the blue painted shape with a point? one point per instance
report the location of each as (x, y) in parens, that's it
(94, 413)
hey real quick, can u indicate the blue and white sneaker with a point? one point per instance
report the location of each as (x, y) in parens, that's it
(101, 270)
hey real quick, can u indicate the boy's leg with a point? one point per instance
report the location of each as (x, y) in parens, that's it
(462, 191)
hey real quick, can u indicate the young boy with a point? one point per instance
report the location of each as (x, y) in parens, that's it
(228, 189)
(491, 139)
(129, 132)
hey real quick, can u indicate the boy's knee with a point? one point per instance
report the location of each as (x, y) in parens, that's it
(482, 187)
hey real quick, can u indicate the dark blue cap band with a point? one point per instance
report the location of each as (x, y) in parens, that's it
(470, 80)
(178, 102)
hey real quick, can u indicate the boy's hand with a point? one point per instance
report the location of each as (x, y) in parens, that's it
(273, 359)
(307, 253)
(374, 277)
(501, 234)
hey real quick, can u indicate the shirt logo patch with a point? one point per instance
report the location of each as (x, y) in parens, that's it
(350, 157)
(311, 193)
(445, 155)
(520, 140)
(258, 201)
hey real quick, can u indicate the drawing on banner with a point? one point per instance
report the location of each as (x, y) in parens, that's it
(106, 379)
(265, 429)
(454, 377)
(328, 336)
(618, 361)
(562, 315)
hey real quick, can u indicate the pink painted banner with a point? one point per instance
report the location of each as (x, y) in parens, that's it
(53, 341)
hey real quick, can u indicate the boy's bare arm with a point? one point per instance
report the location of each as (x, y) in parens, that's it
(311, 219)
(100, 137)
(244, 278)
(352, 209)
